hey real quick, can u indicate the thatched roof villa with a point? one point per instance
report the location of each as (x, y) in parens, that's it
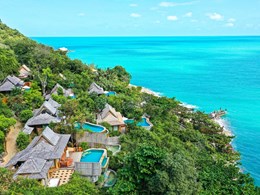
(42, 154)
(10, 83)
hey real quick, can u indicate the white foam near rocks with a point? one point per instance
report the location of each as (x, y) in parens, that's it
(189, 106)
(148, 91)
(224, 123)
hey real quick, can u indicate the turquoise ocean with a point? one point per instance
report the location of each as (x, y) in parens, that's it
(208, 72)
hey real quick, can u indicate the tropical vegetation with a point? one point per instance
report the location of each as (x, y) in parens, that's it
(184, 153)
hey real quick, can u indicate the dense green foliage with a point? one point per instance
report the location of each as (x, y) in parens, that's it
(76, 185)
(2, 141)
(6, 121)
(25, 115)
(22, 141)
(8, 62)
(184, 153)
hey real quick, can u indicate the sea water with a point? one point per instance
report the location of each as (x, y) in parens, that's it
(209, 72)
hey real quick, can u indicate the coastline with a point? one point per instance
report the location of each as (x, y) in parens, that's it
(220, 121)
(223, 123)
(146, 90)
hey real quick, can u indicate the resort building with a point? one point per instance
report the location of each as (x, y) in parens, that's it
(95, 88)
(42, 155)
(24, 72)
(65, 92)
(50, 107)
(112, 117)
(10, 83)
(46, 114)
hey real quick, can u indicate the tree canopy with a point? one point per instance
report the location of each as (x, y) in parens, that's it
(185, 152)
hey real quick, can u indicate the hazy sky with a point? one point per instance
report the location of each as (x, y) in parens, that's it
(132, 17)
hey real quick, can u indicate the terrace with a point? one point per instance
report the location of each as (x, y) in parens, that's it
(91, 163)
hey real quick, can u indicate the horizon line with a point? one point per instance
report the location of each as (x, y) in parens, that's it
(107, 36)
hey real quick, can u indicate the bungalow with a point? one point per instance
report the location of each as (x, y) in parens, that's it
(10, 83)
(24, 71)
(47, 107)
(95, 88)
(40, 156)
(66, 92)
(112, 117)
(46, 114)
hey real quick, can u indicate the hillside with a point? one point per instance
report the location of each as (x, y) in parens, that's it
(185, 152)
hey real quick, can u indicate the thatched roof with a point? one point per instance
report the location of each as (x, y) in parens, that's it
(111, 116)
(50, 136)
(10, 83)
(54, 103)
(36, 168)
(24, 71)
(46, 114)
(48, 146)
(66, 92)
(95, 88)
(46, 107)
(42, 119)
(28, 130)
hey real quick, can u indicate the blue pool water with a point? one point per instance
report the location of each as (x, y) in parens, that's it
(93, 128)
(142, 123)
(111, 93)
(129, 121)
(209, 72)
(104, 162)
(77, 125)
(92, 156)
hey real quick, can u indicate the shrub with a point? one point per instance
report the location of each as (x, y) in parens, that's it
(84, 145)
(22, 141)
(25, 115)
(114, 133)
(2, 140)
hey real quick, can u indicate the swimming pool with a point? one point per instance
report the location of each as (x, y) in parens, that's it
(90, 127)
(104, 162)
(77, 125)
(93, 127)
(142, 123)
(129, 121)
(111, 93)
(110, 178)
(92, 155)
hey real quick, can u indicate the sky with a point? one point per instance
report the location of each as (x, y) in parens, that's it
(132, 17)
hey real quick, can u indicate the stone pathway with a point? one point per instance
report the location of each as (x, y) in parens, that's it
(64, 175)
(10, 141)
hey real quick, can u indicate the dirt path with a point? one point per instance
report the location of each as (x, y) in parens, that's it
(10, 141)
